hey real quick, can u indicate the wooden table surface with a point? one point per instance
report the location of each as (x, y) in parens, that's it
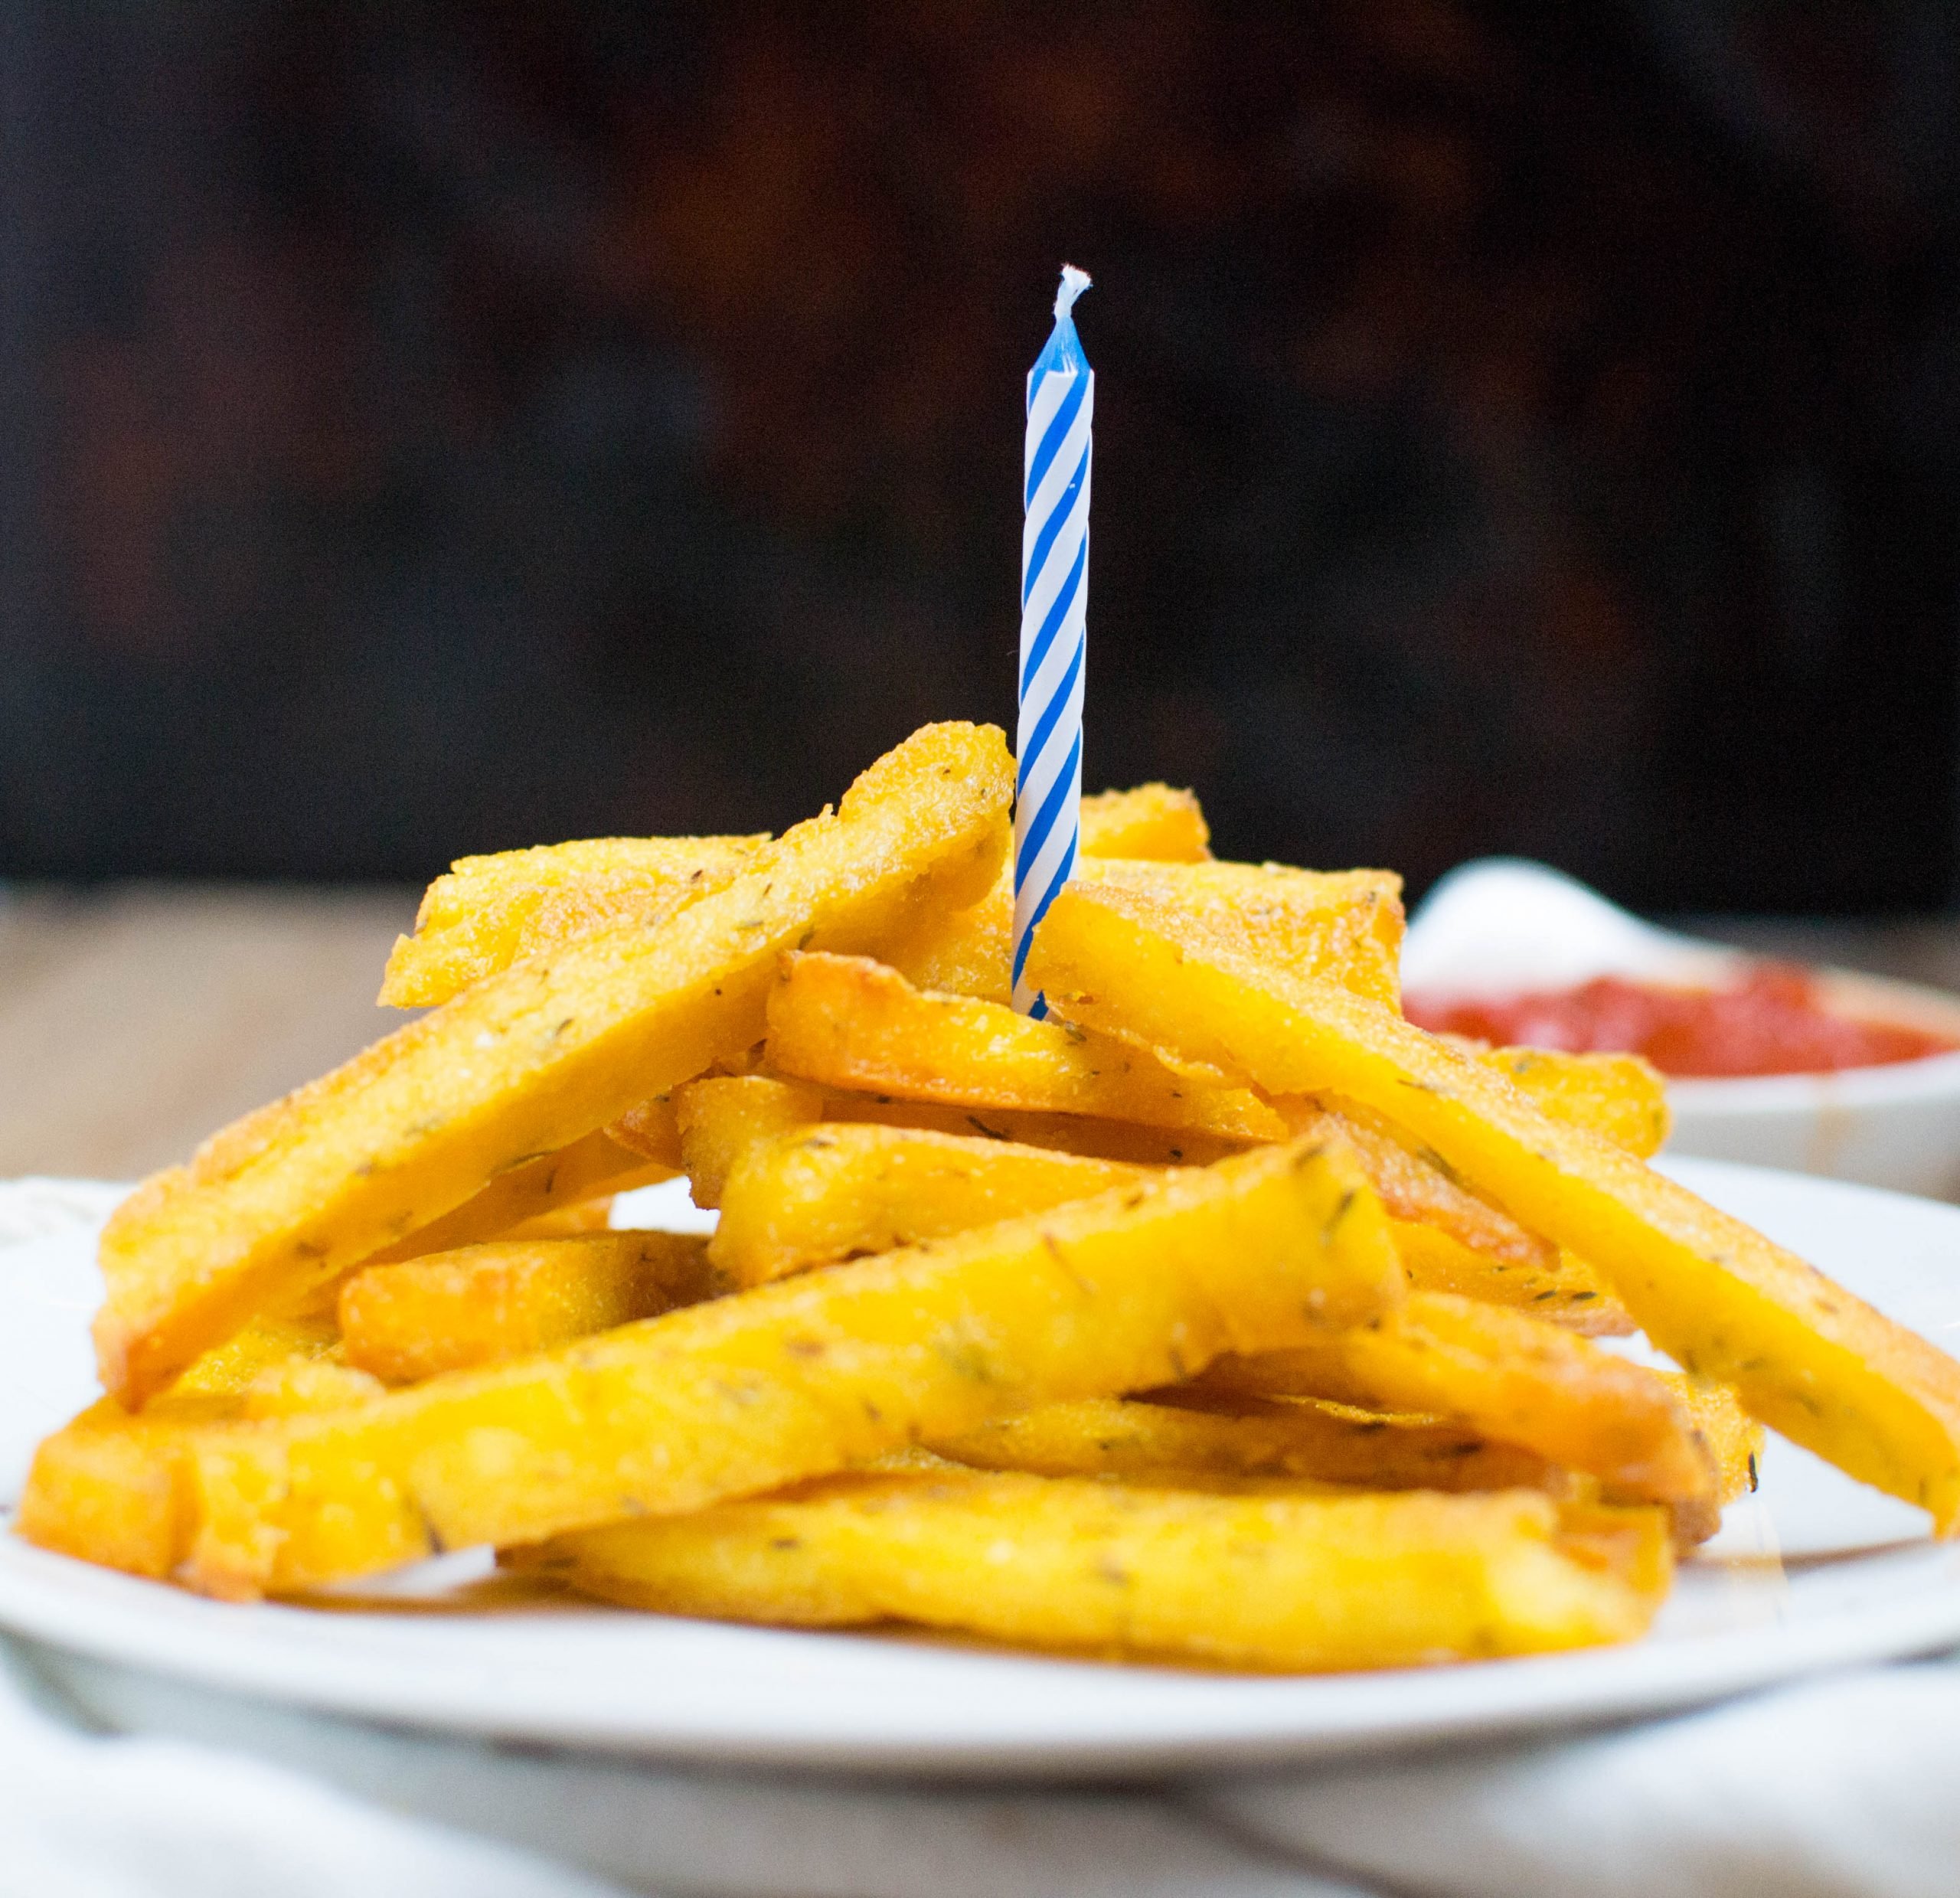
(134, 1020)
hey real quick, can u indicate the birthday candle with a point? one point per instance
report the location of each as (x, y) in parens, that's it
(1054, 600)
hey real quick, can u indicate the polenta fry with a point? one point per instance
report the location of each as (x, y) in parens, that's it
(490, 912)
(1421, 1189)
(650, 1129)
(720, 1117)
(1804, 1354)
(1344, 926)
(1178, 1445)
(596, 1167)
(1151, 821)
(726, 1112)
(525, 1062)
(837, 1190)
(1128, 1141)
(967, 952)
(106, 1486)
(1141, 1286)
(1620, 1097)
(1286, 1583)
(1731, 1435)
(1507, 1377)
(483, 1304)
(849, 1022)
(1567, 1291)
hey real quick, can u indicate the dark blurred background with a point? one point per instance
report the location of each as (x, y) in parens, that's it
(428, 429)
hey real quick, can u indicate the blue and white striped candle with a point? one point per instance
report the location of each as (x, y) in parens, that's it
(1054, 601)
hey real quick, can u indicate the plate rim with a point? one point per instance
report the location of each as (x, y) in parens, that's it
(1518, 1698)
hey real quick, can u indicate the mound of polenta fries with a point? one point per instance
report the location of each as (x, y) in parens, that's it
(1221, 1315)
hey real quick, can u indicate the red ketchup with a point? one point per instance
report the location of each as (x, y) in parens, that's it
(1771, 1022)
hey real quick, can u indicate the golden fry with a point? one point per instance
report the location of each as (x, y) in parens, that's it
(490, 912)
(1279, 1582)
(722, 1117)
(848, 1022)
(838, 1190)
(305, 1389)
(568, 1222)
(485, 1303)
(525, 1062)
(1732, 1436)
(551, 1187)
(1566, 1293)
(106, 1487)
(267, 1344)
(1620, 1097)
(968, 952)
(1142, 1286)
(1151, 821)
(1725, 1303)
(1451, 1239)
(1344, 926)
(651, 1129)
(1420, 1188)
(1321, 1442)
(1506, 1376)
(1128, 1141)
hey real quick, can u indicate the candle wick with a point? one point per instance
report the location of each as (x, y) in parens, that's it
(1074, 283)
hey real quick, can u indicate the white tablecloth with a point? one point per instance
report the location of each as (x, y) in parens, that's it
(117, 1785)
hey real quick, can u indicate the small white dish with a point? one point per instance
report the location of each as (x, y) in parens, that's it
(1501, 926)
(1813, 1572)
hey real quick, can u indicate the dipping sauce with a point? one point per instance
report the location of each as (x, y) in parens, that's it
(1773, 1021)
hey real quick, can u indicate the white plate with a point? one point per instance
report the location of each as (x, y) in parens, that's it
(1813, 1573)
